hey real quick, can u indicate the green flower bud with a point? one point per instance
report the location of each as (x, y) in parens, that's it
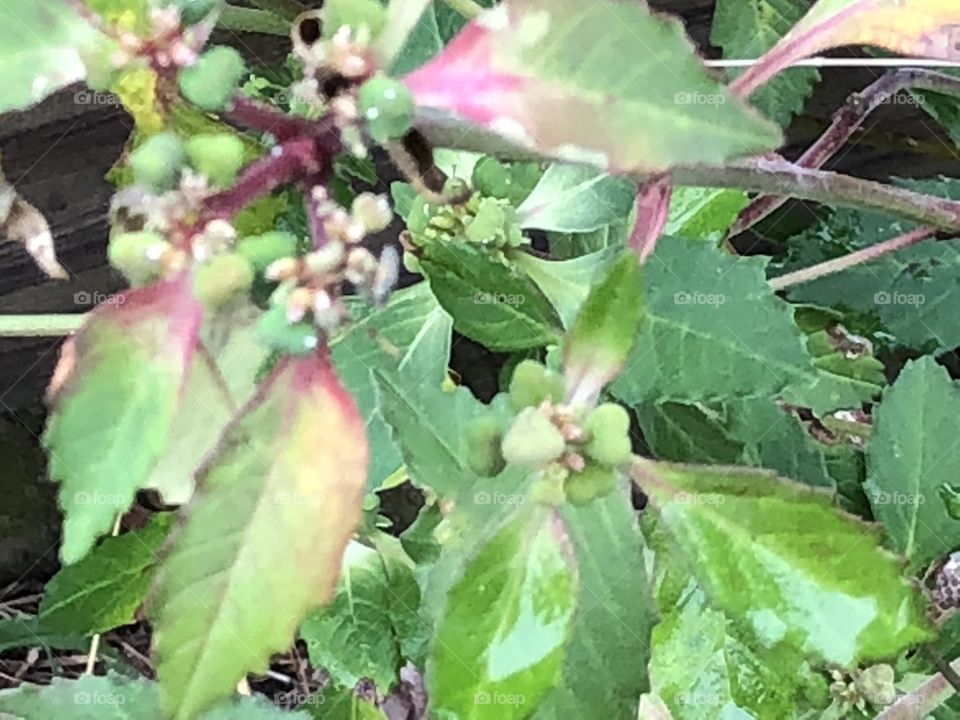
(484, 436)
(456, 188)
(532, 439)
(211, 82)
(136, 255)
(158, 161)
(387, 106)
(277, 333)
(193, 11)
(223, 278)
(594, 481)
(355, 14)
(608, 430)
(219, 156)
(262, 250)
(532, 383)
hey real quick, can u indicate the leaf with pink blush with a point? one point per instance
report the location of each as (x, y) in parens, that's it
(604, 83)
(113, 399)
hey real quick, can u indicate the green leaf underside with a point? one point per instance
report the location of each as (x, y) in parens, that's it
(747, 29)
(263, 537)
(499, 647)
(575, 198)
(413, 323)
(614, 614)
(715, 329)
(661, 110)
(112, 418)
(489, 302)
(780, 557)
(114, 697)
(913, 452)
(104, 590)
(41, 44)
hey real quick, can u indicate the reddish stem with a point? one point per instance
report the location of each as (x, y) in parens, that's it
(652, 210)
(846, 121)
(267, 119)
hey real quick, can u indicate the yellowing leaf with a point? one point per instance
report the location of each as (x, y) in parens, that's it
(264, 535)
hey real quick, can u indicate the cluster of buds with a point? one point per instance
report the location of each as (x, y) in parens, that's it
(175, 34)
(310, 285)
(873, 685)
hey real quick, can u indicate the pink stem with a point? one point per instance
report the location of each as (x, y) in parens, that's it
(652, 210)
(266, 119)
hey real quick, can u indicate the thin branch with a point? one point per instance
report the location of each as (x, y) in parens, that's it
(845, 122)
(831, 267)
(40, 325)
(241, 19)
(264, 118)
(287, 9)
(922, 701)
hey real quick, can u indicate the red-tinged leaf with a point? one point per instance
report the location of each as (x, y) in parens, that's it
(263, 537)
(605, 83)
(114, 395)
(926, 28)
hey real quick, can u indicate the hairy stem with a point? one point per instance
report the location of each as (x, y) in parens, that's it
(845, 122)
(241, 19)
(40, 325)
(287, 9)
(831, 267)
(468, 8)
(922, 701)
(264, 118)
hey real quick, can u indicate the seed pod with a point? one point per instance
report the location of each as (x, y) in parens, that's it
(219, 156)
(594, 481)
(608, 429)
(484, 436)
(211, 82)
(223, 278)
(261, 251)
(532, 383)
(387, 106)
(158, 161)
(137, 255)
(532, 439)
(193, 11)
(277, 333)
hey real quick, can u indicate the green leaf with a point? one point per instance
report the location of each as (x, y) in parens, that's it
(42, 44)
(27, 631)
(489, 302)
(747, 29)
(703, 213)
(104, 590)
(355, 636)
(114, 697)
(566, 283)
(413, 334)
(606, 327)
(714, 329)
(575, 198)
(911, 453)
(541, 91)
(499, 647)
(427, 424)
(614, 614)
(779, 558)
(277, 505)
(118, 387)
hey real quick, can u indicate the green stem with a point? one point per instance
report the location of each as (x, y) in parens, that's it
(468, 8)
(40, 325)
(240, 19)
(287, 9)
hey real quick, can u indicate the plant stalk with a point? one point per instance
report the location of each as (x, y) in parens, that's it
(831, 267)
(241, 19)
(40, 325)
(922, 701)
(287, 9)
